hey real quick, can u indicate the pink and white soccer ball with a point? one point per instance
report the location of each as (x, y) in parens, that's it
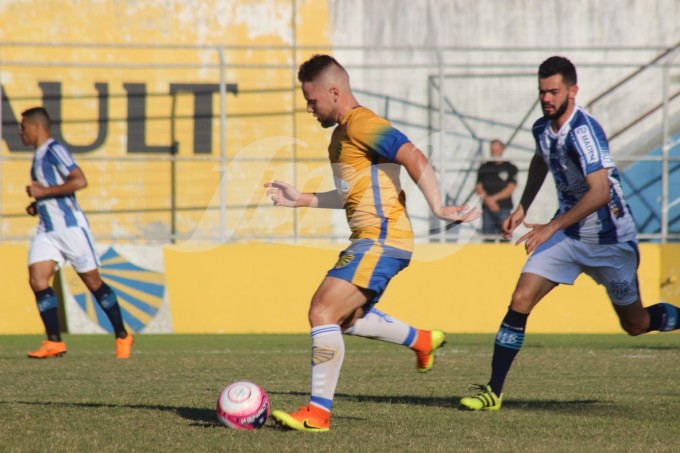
(243, 405)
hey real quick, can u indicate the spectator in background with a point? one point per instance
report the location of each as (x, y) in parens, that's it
(496, 180)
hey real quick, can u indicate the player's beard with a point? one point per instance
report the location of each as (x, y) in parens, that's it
(558, 112)
(327, 122)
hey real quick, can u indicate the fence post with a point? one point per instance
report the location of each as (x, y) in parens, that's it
(223, 148)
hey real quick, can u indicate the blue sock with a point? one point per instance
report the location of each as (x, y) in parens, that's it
(509, 340)
(48, 308)
(663, 317)
(107, 299)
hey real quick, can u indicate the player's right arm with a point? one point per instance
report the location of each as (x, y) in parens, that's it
(537, 173)
(283, 194)
(75, 180)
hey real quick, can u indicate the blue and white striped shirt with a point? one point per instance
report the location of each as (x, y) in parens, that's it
(578, 149)
(52, 163)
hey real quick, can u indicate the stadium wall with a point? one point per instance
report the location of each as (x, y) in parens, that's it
(266, 288)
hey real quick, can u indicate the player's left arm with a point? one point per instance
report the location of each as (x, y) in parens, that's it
(75, 180)
(598, 195)
(422, 173)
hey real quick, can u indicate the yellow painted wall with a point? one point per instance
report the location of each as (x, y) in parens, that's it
(267, 287)
(168, 43)
(18, 312)
(257, 287)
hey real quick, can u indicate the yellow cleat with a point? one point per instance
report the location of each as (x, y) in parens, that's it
(425, 360)
(307, 418)
(49, 349)
(484, 400)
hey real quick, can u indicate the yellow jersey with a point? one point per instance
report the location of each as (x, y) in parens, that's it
(362, 152)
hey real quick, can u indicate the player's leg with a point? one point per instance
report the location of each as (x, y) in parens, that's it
(39, 278)
(531, 288)
(372, 266)
(107, 299)
(550, 265)
(43, 258)
(377, 325)
(334, 301)
(618, 274)
(77, 247)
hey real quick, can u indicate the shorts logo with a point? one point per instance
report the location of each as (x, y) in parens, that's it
(344, 260)
(321, 355)
(619, 289)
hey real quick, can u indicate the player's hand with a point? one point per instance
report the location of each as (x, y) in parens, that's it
(538, 234)
(458, 214)
(513, 221)
(32, 209)
(282, 193)
(35, 190)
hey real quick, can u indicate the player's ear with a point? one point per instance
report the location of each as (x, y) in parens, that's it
(334, 92)
(573, 91)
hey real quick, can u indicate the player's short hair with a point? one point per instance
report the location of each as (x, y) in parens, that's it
(558, 65)
(497, 141)
(39, 115)
(315, 66)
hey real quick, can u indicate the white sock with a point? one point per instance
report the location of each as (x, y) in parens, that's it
(328, 352)
(381, 326)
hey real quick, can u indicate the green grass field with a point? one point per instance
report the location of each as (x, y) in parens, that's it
(565, 393)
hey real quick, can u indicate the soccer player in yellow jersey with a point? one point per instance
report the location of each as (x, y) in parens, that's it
(366, 155)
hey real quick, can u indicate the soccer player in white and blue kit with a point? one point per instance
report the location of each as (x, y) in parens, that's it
(592, 232)
(63, 234)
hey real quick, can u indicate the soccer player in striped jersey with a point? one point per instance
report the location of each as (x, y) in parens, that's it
(63, 234)
(592, 232)
(366, 155)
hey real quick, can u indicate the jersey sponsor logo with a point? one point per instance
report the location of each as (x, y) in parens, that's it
(586, 143)
(344, 260)
(321, 355)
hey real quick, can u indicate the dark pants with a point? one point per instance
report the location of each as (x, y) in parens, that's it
(492, 222)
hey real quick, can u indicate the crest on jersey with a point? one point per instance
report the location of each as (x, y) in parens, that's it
(344, 260)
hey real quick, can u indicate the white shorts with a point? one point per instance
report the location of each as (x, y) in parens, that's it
(74, 245)
(561, 259)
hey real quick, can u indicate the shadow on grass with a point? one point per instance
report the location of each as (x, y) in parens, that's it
(206, 418)
(568, 406)
(200, 416)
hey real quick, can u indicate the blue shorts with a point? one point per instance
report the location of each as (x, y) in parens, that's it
(561, 259)
(370, 265)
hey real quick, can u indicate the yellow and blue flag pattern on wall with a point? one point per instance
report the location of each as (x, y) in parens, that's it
(140, 292)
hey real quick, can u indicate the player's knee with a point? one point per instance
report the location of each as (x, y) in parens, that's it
(634, 328)
(521, 301)
(37, 282)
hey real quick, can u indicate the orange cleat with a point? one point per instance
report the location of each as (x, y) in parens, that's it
(308, 418)
(429, 341)
(49, 349)
(124, 347)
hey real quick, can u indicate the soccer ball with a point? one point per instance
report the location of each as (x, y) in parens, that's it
(243, 405)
